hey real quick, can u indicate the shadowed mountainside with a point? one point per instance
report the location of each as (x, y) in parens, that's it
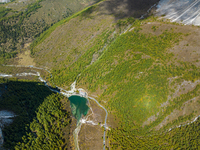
(128, 8)
(22, 98)
(38, 110)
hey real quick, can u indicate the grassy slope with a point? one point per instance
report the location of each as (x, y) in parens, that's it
(22, 23)
(131, 73)
(91, 32)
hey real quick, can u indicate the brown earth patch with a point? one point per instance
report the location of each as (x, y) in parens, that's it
(25, 59)
(72, 39)
(90, 136)
(27, 45)
(150, 120)
(185, 87)
(98, 112)
(187, 49)
(190, 106)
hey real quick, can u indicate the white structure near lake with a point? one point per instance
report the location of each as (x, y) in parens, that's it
(82, 92)
(184, 11)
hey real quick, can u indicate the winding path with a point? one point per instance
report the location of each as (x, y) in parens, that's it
(104, 135)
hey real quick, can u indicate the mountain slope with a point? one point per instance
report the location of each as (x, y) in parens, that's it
(145, 72)
(22, 21)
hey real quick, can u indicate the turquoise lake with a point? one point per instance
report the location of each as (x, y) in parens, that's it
(78, 106)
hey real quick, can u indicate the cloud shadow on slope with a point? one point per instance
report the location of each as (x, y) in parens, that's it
(128, 8)
(124, 8)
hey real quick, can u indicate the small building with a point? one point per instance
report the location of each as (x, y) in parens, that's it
(82, 92)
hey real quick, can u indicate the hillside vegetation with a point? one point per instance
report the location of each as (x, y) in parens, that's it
(145, 72)
(133, 72)
(41, 120)
(21, 22)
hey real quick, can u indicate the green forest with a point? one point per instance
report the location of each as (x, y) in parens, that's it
(186, 137)
(12, 27)
(41, 119)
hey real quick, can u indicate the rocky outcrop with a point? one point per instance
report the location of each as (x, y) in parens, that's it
(186, 12)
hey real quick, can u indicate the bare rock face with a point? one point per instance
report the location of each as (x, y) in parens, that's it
(184, 11)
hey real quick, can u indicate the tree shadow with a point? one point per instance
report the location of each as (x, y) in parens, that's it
(22, 98)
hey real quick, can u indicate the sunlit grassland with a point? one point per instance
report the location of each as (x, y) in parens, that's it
(22, 22)
(135, 70)
(69, 74)
(47, 33)
(133, 74)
